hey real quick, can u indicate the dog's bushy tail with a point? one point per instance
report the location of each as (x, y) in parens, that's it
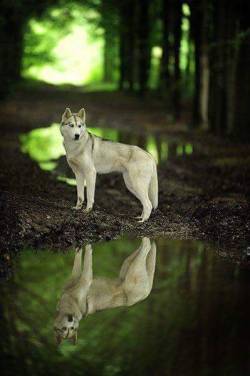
(153, 189)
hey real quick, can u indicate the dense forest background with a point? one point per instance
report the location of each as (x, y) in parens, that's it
(192, 54)
(172, 77)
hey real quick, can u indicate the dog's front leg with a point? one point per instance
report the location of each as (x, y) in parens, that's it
(77, 267)
(80, 190)
(80, 180)
(90, 175)
(86, 276)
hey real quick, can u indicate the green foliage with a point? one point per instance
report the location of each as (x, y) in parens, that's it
(43, 144)
(38, 45)
(46, 44)
(64, 46)
(42, 35)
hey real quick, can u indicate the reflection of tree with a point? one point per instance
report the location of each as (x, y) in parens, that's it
(16, 325)
(158, 147)
(172, 148)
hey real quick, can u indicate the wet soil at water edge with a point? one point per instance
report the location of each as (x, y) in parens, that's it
(202, 196)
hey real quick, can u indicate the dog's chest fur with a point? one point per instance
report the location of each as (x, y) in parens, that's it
(104, 156)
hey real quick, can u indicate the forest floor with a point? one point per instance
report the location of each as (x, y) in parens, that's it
(201, 196)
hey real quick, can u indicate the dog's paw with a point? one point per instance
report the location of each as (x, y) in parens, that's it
(142, 220)
(138, 217)
(88, 210)
(77, 207)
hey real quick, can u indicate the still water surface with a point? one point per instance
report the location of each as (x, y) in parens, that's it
(175, 308)
(45, 146)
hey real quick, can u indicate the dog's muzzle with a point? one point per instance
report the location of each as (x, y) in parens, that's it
(77, 136)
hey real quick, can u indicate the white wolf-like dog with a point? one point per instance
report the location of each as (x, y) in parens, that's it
(84, 295)
(88, 155)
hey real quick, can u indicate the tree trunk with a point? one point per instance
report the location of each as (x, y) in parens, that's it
(122, 45)
(204, 66)
(131, 43)
(241, 121)
(109, 24)
(109, 61)
(196, 35)
(122, 61)
(164, 68)
(11, 42)
(127, 44)
(220, 63)
(177, 72)
(223, 57)
(144, 52)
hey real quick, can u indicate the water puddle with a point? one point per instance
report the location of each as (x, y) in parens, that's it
(44, 145)
(165, 308)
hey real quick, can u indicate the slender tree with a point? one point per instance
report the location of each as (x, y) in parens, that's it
(164, 66)
(241, 118)
(127, 38)
(144, 48)
(196, 36)
(109, 21)
(176, 47)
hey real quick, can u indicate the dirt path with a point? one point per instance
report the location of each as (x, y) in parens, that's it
(202, 196)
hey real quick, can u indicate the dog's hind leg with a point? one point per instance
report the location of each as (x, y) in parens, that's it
(138, 265)
(139, 187)
(136, 282)
(130, 259)
(150, 263)
(153, 188)
(126, 263)
(129, 185)
(142, 193)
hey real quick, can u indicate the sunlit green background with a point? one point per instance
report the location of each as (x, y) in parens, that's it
(64, 52)
(66, 46)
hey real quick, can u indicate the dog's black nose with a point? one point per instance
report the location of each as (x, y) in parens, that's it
(77, 136)
(70, 318)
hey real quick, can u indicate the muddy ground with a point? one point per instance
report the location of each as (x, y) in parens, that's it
(202, 196)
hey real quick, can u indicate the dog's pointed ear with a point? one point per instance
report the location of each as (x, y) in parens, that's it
(67, 113)
(81, 114)
(74, 339)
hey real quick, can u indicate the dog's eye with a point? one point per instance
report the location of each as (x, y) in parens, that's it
(64, 328)
(79, 126)
(71, 125)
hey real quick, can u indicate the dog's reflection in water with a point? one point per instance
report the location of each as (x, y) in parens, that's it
(84, 295)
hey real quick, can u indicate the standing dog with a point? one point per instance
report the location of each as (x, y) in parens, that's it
(88, 155)
(84, 295)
